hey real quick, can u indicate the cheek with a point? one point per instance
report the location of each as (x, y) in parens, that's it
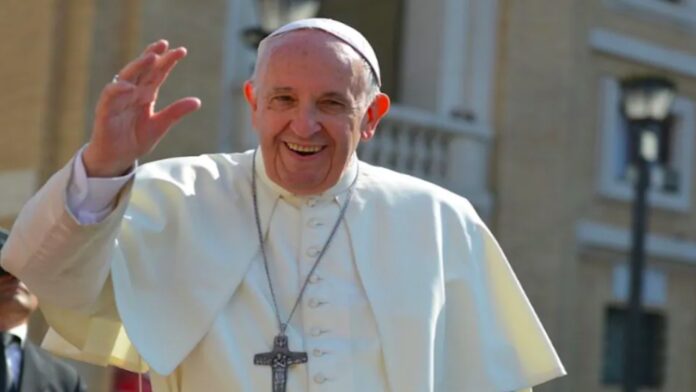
(269, 126)
(346, 133)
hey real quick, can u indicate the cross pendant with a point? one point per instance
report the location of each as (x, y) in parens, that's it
(279, 360)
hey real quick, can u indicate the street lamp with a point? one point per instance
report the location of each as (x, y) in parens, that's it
(646, 104)
(275, 13)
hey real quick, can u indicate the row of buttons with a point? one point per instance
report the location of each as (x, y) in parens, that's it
(314, 303)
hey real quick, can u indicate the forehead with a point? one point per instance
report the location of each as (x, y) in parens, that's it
(308, 54)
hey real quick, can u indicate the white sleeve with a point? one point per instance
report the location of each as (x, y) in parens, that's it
(64, 262)
(91, 199)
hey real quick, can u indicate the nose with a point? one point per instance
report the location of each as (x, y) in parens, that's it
(305, 122)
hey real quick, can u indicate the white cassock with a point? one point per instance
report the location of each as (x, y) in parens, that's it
(414, 293)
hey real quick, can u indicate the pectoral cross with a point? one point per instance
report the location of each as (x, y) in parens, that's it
(279, 360)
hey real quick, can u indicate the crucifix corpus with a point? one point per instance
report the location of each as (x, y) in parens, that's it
(279, 359)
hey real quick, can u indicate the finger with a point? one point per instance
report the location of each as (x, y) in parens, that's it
(159, 72)
(132, 71)
(167, 117)
(110, 94)
(152, 79)
(157, 47)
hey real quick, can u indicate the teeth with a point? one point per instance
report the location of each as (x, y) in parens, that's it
(300, 148)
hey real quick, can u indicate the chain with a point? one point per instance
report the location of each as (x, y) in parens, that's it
(283, 326)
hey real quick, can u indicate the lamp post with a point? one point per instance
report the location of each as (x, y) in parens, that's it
(275, 13)
(646, 104)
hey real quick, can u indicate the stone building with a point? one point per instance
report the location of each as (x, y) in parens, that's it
(511, 103)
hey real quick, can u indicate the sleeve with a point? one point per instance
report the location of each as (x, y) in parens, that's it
(91, 199)
(494, 339)
(66, 264)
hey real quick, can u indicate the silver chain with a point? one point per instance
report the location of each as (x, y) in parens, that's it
(283, 326)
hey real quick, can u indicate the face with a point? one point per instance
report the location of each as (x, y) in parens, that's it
(16, 302)
(309, 106)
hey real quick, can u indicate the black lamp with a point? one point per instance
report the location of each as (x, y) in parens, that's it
(646, 104)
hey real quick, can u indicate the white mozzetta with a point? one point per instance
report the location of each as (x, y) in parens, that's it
(169, 265)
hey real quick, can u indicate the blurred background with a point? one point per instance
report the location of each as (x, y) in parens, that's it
(517, 105)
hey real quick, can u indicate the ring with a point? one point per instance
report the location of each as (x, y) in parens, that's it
(114, 79)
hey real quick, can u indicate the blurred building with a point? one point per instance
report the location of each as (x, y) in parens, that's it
(511, 103)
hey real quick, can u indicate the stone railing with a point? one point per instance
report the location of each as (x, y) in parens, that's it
(447, 152)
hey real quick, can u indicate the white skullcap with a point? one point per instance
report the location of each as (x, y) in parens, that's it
(342, 31)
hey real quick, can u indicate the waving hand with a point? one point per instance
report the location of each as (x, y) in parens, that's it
(126, 126)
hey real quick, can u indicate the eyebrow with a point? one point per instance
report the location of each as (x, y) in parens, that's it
(287, 90)
(280, 90)
(335, 95)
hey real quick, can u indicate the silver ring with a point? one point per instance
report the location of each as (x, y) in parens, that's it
(114, 79)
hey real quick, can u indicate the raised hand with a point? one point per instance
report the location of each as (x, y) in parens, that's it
(126, 126)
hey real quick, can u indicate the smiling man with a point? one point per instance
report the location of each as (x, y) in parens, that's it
(291, 267)
(312, 100)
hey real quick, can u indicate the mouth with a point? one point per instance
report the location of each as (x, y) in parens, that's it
(302, 150)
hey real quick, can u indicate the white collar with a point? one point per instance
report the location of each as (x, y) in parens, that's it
(20, 332)
(337, 192)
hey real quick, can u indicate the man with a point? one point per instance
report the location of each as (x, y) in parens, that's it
(23, 366)
(293, 267)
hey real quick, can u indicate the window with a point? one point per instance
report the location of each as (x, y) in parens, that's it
(674, 189)
(679, 12)
(651, 359)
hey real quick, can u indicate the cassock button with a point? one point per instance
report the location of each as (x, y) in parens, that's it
(319, 378)
(313, 251)
(311, 202)
(314, 222)
(314, 278)
(314, 303)
(317, 352)
(316, 331)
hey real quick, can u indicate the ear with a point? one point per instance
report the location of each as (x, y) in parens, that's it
(249, 95)
(377, 109)
(251, 100)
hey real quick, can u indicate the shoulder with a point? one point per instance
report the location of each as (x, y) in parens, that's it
(53, 371)
(398, 189)
(186, 176)
(182, 169)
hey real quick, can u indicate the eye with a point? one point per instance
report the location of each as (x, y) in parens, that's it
(282, 98)
(332, 105)
(281, 101)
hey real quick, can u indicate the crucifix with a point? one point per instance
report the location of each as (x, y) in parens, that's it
(279, 359)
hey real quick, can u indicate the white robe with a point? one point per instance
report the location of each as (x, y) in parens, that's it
(450, 313)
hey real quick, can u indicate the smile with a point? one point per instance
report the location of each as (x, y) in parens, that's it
(303, 150)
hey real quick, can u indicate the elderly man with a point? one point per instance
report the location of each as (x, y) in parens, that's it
(292, 267)
(23, 366)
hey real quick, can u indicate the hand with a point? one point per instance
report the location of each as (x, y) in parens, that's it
(126, 126)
